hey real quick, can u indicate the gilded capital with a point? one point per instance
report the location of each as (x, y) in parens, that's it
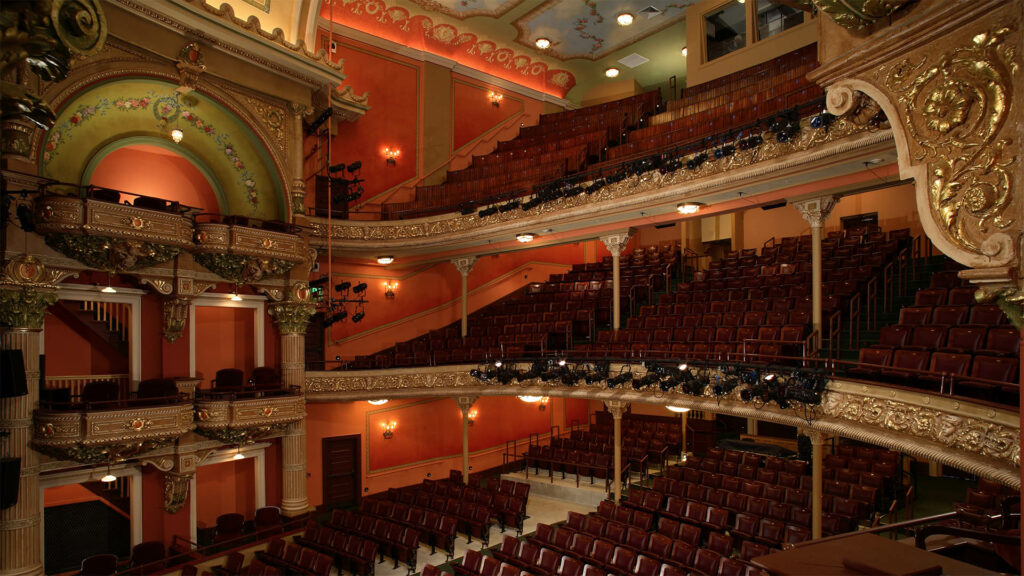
(465, 403)
(25, 307)
(856, 14)
(816, 210)
(291, 317)
(464, 265)
(616, 243)
(175, 316)
(616, 408)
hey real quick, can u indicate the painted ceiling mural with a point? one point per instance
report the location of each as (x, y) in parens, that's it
(398, 24)
(465, 8)
(588, 28)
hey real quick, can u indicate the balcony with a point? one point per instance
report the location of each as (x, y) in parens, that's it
(95, 431)
(241, 417)
(96, 229)
(244, 250)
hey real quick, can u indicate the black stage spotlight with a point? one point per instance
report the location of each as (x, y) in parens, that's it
(343, 286)
(358, 316)
(359, 288)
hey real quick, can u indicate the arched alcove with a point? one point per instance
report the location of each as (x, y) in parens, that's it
(101, 119)
(151, 167)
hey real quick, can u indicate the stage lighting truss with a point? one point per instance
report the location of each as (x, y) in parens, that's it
(787, 387)
(335, 307)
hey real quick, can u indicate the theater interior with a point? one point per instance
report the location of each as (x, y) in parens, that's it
(511, 287)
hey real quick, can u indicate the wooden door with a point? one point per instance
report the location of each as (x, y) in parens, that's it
(342, 482)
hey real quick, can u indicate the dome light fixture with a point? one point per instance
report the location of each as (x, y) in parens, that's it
(678, 409)
(385, 260)
(530, 399)
(380, 402)
(689, 207)
(109, 477)
(525, 237)
(611, 72)
(542, 43)
(624, 19)
(177, 135)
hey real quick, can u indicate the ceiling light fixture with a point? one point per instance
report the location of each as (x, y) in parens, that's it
(624, 19)
(530, 398)
(543, 43)
(109, 289)
(235, 297)
(611, 72)
(684, 52)
(678, 409)
(378, 402)
(109, 477)
(238, 454)
(689, 207)
(177, 135)
(525, 237)
(385, 260)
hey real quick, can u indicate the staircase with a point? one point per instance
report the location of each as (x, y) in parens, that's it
(104, 323)
(116, 494)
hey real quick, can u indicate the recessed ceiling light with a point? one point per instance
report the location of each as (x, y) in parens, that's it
(525, 237)
(543, 43)
(678, 409)
(611, 72)
(624, 19)
(378, 402)
(689, 207)
(385, 259)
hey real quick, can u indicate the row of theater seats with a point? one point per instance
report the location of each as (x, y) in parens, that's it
(109, 395)
(554, 148)
(543, 316)
(758, 93)
(393, 538)
(946, 340)
(298, 559)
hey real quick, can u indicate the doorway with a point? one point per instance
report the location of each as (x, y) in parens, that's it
(342, 480)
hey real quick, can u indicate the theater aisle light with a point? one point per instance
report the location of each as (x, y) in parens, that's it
(611, 72)
(385, 260)
(543, 43)
(378, 402)
(525, 237)
(391, 155)
(689, 207)
(389, 429)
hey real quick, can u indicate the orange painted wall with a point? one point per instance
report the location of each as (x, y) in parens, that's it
(224, 488)
(428, 438)
(157, 523)
(69, 494)
(76, 354)
(272, 463)
(421, 288)
(224, 339)
(155, 171)
(474, 113)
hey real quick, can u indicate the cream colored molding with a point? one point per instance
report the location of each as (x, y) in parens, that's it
(422, 56)
(652, 193)
(973, 437)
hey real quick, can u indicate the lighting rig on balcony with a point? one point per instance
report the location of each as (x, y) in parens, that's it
(788, 387)
(350, 188)
(334, 308)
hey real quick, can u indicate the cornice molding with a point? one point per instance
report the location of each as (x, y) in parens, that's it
(424, 56)
(973, 437)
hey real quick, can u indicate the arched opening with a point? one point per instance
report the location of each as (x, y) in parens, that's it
(153, 170)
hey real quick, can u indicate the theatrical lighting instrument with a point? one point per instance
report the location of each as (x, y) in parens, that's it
(597, 373)
(358, 316)
(343, 286)
(823, 120)
(359, 288)
(489, 211)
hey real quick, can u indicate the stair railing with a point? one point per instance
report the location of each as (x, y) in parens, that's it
(114, 314)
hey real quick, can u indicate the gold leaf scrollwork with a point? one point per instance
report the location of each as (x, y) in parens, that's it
(955, 110)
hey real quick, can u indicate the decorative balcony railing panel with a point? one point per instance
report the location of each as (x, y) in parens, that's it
(244, 254)
(104, 435)
(241, 418)
(110, 236)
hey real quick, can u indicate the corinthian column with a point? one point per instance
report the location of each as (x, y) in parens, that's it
(292, 318)
(616, 407)
(298, 187)
(615, 243)
(815, 211)
(22, 311)
(464, 265)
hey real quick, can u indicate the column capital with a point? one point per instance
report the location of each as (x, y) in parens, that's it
(816, 210)
(465, 403)
(464, 265)
(817, 436)
(616, 407)
(291, 317)
(616, 242)
(25, 307)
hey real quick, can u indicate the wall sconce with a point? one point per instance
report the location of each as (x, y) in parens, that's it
(389, 429)
(391, 155)
(543, 403)
(495, 98)
(471, 416)
(389, 289)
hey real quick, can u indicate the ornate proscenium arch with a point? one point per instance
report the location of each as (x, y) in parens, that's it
(945, 78)
(973, 437)
(128, 108)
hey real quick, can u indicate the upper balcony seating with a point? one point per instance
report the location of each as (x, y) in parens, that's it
(542, 317)
(600, 138)
(946, 340)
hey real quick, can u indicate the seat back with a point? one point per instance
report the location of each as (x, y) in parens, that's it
(228, 379)
(99, 565)
(157, 388)
(265, 378)
(101, 391)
